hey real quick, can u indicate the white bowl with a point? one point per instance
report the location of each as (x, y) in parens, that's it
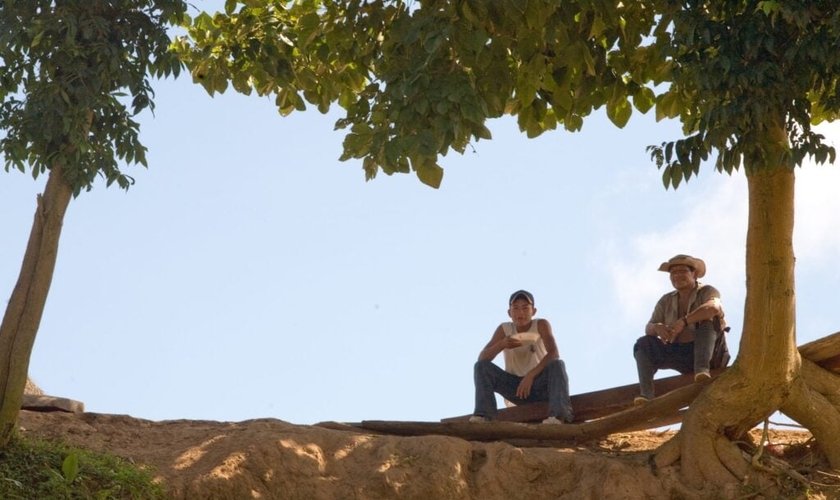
(527, 338)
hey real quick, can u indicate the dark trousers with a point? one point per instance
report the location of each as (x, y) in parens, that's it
(653, 354)
(552, 385)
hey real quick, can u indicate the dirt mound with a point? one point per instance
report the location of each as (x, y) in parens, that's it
(270, 459)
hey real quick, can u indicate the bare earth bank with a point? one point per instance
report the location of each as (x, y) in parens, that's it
(269, 459)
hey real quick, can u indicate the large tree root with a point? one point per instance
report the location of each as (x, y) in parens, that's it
(815, 403)
(712, 455)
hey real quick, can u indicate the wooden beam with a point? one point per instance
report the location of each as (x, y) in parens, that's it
(660, 411)
(590, 405)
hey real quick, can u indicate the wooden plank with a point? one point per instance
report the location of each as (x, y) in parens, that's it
(590, 405)
(661, 411)
(42, 402)
(488, 431)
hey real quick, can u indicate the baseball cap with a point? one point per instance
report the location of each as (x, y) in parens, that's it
(521, 294)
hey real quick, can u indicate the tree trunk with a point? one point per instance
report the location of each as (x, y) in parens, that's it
(769, 373)
(26, 305)
(762, 377)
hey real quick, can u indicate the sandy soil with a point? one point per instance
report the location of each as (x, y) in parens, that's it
(272, 459)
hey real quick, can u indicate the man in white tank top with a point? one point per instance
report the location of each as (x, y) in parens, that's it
(533, 368)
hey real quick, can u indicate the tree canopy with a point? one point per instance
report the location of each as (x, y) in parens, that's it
(417, 82)
(745, 75)
(74, 73)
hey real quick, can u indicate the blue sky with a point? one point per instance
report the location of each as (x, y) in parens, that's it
(250, 274)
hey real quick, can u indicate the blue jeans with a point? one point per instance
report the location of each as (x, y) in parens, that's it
(552, 385)
(652, 354)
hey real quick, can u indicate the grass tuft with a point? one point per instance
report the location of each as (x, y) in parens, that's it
(43, 470)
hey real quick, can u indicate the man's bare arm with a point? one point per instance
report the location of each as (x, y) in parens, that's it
(498, 343)
(705, 311)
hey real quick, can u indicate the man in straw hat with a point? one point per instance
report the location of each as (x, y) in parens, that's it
(533, 368)
(685, 329)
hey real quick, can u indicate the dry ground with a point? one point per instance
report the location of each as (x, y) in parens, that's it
(267, 459)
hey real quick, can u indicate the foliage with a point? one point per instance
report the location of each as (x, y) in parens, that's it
(419, 82)
(66, 71)
(420, 79)
(748, 77)
(45, 470)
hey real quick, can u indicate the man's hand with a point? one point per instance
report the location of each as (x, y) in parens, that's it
(664, 332)
(524, 389)
(511, 343)
(676, 327)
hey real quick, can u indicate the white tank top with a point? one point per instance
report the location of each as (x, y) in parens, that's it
(521, 360)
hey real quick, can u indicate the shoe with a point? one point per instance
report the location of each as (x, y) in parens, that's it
(640, 400)
(478, 419)
(552, 421)
(702, 376)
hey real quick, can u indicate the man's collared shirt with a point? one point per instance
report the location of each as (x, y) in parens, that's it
(667, 309)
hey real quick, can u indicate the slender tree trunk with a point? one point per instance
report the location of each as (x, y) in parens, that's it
(768, 352)
(768, 363)
(762, 377)
(26, 305)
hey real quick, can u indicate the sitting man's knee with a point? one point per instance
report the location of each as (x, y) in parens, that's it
(555, 364)
(644, 345)
(482, 366)
(706, 328)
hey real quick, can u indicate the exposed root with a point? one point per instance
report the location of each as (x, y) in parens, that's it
(731, 457)
(773, 461)
(836, 477)
(759, 467)
(772, 465)
(669, 452)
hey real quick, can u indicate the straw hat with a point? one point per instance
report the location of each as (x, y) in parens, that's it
(686, 260)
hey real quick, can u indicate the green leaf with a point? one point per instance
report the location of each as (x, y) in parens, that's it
(550, 120)
(666, 176)
(598, 27)
(37, 40)
(427, 143)
(619, 112)
(669, 151)
(310, 25)
(573, 122)
(644, 99)
(668, 106)
(429, 172)
(683, 152)
(468, 13)
(527, 92)
(619, 109)
(534, 15)
(70, 467)
(357, 146)
(587, 58)
(676, 176)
